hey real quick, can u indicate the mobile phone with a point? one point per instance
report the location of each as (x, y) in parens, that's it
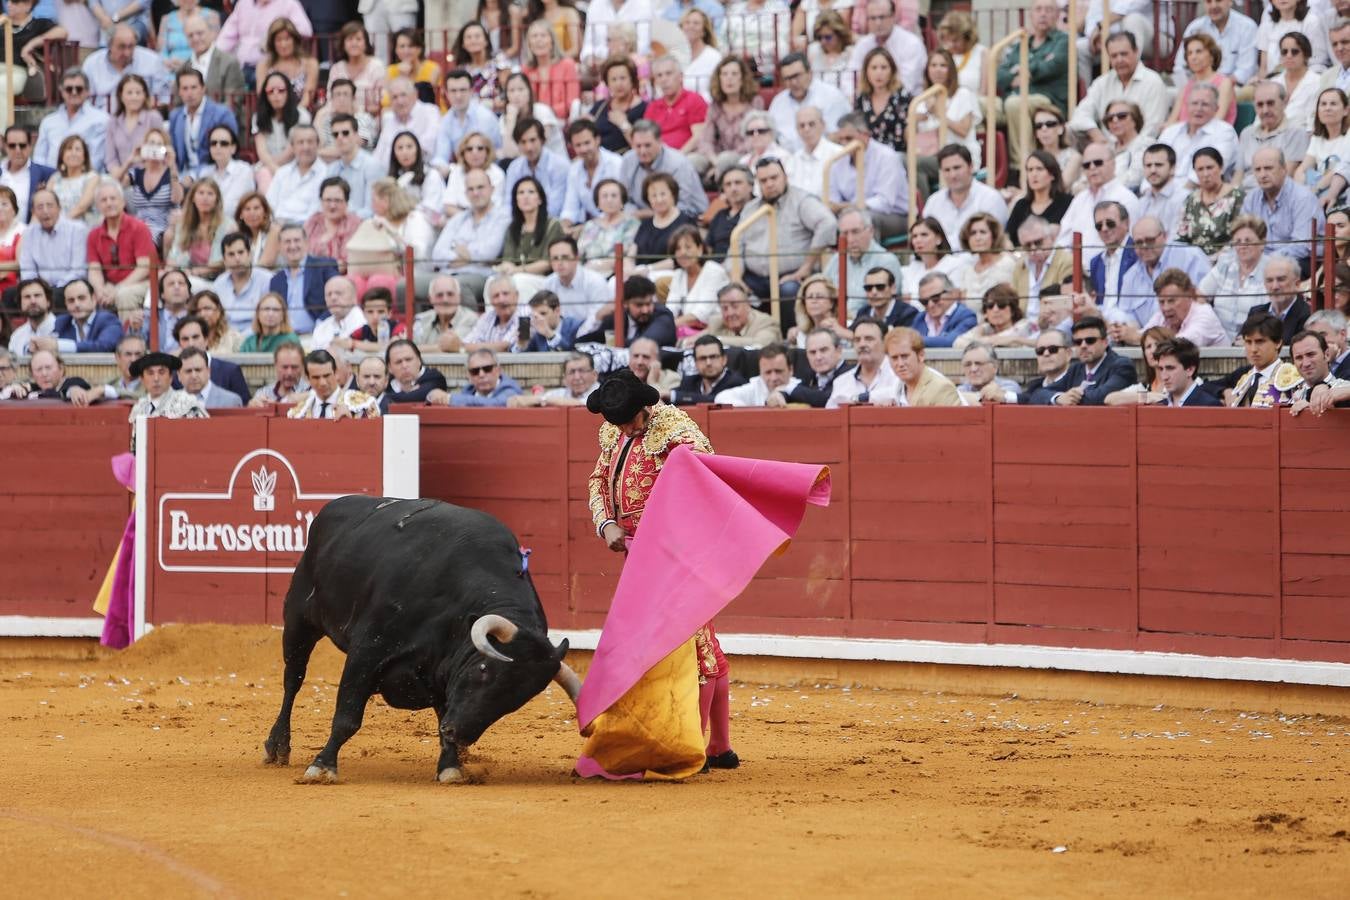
(523, 329)
(155, 152)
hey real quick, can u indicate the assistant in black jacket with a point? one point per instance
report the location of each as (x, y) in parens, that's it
(409, 380)
(713, 374)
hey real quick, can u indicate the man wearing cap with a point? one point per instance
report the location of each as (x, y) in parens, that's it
(155, 371)
(638, 435)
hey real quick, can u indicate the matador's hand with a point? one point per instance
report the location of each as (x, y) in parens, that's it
(613, 536)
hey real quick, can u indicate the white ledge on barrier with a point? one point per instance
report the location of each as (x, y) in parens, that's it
(1018, 656)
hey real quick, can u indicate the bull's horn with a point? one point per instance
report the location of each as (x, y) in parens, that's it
(500, 627)
(568, 681)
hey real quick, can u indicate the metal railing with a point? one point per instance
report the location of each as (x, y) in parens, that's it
(859, 154)
(991, 100)
(736, 254)
(937, 92)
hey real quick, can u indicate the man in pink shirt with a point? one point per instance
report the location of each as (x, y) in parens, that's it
(1180, 311)
(244, 33)
(680, 113)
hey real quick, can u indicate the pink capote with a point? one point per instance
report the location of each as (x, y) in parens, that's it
(117, 620)
(709, 524)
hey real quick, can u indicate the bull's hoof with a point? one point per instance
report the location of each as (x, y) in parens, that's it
(451, 776)
(276, 756)
(317, 774)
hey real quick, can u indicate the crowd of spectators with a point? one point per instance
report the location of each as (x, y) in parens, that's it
(286, 170)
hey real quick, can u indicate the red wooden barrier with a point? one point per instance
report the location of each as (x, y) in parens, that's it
(1216, 532)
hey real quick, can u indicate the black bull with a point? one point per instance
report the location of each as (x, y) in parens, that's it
(433, 608)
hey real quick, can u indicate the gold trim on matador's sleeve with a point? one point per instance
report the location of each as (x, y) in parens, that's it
(670, 426)
(595, 485)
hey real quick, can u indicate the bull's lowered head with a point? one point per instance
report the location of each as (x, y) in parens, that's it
(509, 666)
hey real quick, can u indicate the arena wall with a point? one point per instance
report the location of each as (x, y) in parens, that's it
(1212, 533)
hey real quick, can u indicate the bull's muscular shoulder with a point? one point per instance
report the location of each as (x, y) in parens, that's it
(669, 427)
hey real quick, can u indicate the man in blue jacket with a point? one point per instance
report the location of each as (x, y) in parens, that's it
(302, 278)
(22, 174)
(190, 124)
(1101, 370)
(83, 329)
(946, 318)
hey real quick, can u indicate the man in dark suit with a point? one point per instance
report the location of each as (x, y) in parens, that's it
(20, 172)
(191, 332)
(1331, 324)
(1057, 369)
(825, 357)
(1102, 371)
(713, 375)
(1281, 280)
(409, 380)
(643, 316)
(190, 124)
(224, 76)
(83, 329)
(49, 381)
(302, 278)
(882, 302)
(1178, 361)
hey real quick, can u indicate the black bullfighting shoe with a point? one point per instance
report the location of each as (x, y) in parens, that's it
(728, 760)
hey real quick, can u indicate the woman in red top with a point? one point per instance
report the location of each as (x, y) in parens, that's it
(553, 76)
(11, 231)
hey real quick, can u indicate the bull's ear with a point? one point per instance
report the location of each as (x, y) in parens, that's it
(562, 650)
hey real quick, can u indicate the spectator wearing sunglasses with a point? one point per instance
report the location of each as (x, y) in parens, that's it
(1099, 166)
(488, 385)
(76, 115)
(20, 174)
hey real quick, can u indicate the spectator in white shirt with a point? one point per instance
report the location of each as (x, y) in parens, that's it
(1202, 128)
(294, 191)
(345, 317)
(1128, 79)
(963, 196)
(806, 166)
(803, 90)
(770, 387)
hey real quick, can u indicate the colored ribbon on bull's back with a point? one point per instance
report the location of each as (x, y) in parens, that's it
(708, 526)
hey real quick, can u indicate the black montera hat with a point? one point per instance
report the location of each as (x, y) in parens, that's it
(621, 396)
(168, 360)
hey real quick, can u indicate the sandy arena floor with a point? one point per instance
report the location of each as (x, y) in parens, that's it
(140, 775)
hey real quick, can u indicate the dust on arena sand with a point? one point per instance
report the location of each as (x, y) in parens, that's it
(140, 774)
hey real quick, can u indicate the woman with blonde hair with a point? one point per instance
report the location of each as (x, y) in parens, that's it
(378, 246)
(565, 21)
(153, 188)
(220, 334)
(286, 53)
(957, 34)
(704, 56)
(192, 241)
(475, 151)
(818, 307)
(271, 326)
(830, 50)
(553, 77)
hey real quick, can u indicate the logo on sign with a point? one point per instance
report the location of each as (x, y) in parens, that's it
(238, 531)
(264, 484)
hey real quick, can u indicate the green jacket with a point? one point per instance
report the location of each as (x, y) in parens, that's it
(1049, 67)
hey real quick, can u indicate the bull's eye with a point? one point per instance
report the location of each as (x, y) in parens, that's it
(482, 667)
